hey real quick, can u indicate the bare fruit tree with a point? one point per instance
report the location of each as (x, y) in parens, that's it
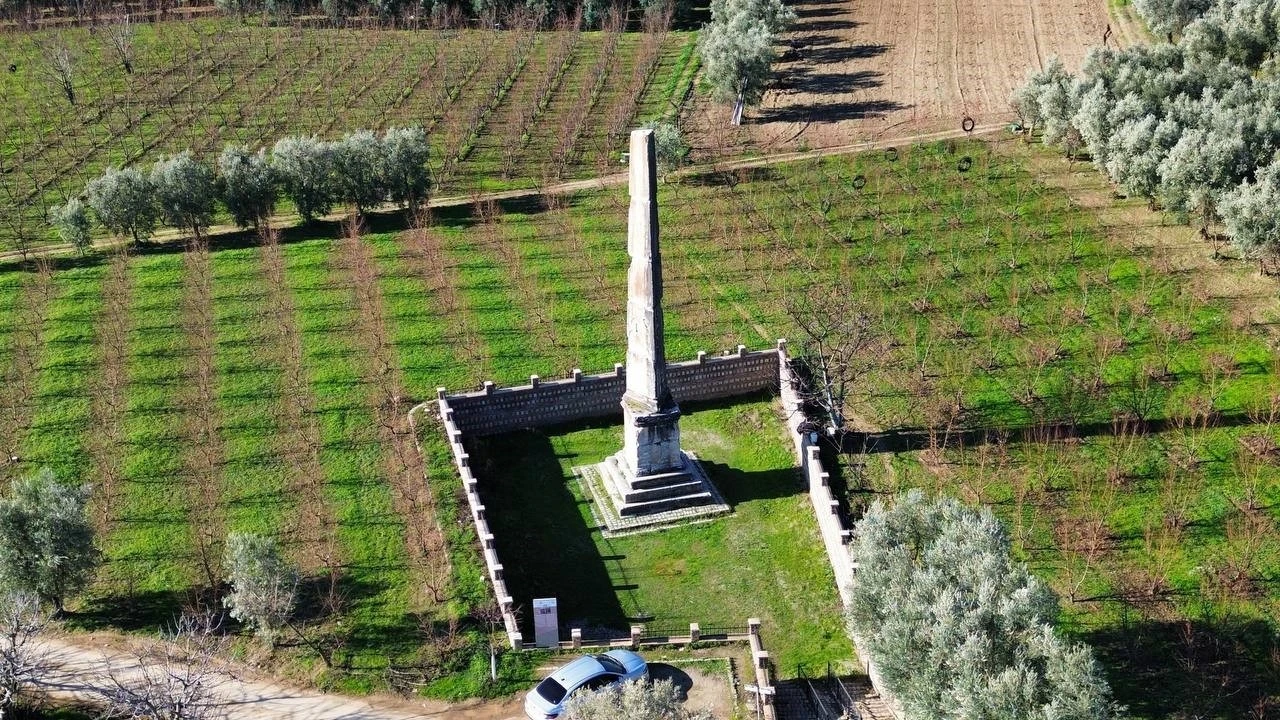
(59, 67)
(23, 657)
(838, 335)
(120, 37)
(175, 677)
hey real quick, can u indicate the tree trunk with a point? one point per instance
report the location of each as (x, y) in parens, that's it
(737, 109)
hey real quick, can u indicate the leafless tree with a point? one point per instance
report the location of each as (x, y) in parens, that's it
(175, 677)
(120, 36)
(23, 657)
(59, 67)
(838, 333)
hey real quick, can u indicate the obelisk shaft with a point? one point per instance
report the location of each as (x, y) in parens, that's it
(651, 442)
(646, 350)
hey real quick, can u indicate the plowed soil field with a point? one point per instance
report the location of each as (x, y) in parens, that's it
(861, 69)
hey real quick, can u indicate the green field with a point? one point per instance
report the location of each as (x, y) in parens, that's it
(992, 303)
(503, 108)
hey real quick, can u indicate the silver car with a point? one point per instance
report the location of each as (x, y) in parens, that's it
(590, 673)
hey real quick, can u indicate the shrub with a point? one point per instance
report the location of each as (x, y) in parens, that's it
(72, 223)
(956, 629)
(46, 539)
(264, 587)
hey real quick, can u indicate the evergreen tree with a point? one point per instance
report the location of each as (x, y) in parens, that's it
(72, 223)
(737, 48)
(46, 539)
(248, 185)
(124, 202)
(185, 192)
(304, 167)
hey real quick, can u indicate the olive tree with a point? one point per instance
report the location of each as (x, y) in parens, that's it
(671, 149)
(1168, 17)
(1198, 169)
(304, 168)
(358, 170)
(1250, 215)
(956, 629)
(124, 202)
(248, 184)
(24, 659)
(404, 171)
(737, 49)
(185, 192)
(46, 539)
(71, 220)
(633, 700)
(264, 586)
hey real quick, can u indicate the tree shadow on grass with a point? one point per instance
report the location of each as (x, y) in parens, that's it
(1222, 669)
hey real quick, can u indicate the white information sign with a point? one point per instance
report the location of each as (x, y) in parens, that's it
(546, 623)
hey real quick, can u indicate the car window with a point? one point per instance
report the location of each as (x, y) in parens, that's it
(611, 665)
(552, 691)
(599, 682)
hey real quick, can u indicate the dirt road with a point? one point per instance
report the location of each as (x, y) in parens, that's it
(79, 666)
(867, 69)
(77, 669)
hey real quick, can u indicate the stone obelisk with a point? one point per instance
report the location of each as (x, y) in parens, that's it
(651, 444)
(651, 476)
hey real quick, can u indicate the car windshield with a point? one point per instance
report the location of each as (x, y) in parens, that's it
(551, 690)
(611, 665)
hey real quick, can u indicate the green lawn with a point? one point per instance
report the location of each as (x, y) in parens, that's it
(764, 560)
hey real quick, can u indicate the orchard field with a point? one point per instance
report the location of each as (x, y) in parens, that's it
(503, 108)
(1118, 412)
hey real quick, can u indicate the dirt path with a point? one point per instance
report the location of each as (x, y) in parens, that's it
(79, 668)
(868, 69)
(566, 188)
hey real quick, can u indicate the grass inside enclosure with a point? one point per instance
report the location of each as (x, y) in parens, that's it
(992, 303)
(765, 560)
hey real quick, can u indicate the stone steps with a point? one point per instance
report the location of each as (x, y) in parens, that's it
(665, 504)
(673, 488)
(659, 480)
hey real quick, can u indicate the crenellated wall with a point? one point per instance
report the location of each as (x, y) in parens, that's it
(581, 397)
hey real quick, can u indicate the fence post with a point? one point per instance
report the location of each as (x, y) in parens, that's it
(635, 635)
(695, 632)
(575, 635)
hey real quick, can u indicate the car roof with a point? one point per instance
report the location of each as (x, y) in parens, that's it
(578, 671)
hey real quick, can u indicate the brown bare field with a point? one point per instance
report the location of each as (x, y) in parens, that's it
(856, 70)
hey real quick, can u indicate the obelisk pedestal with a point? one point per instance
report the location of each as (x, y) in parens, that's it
(651, 476)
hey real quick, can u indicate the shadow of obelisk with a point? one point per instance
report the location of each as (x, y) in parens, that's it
(651, 481)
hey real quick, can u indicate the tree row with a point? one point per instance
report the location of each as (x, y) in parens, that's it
(362, 170)
(1190, 125)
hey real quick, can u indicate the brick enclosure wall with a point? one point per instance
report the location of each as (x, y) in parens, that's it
(540, 403)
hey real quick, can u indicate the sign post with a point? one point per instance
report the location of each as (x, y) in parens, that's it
(546, 623)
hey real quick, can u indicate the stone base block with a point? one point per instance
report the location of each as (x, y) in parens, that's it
(626, 504)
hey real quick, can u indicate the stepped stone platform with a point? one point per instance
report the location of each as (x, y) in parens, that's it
(649, 502)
